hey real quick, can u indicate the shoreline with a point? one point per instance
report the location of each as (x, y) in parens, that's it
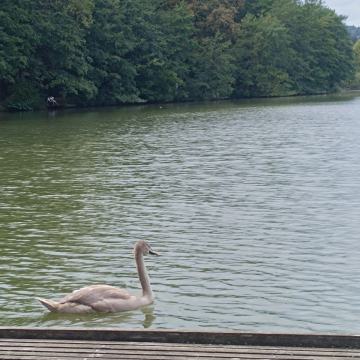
(188, 102)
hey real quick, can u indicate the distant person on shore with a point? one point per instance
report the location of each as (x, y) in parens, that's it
(51, 101)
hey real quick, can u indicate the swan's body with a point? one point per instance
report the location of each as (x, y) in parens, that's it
(108, 298)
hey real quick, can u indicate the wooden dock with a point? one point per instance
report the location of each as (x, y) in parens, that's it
(109, 344)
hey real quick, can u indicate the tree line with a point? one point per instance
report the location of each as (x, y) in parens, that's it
(355, 83)
(110, 52)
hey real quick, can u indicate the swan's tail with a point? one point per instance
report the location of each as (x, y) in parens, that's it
(50, 304)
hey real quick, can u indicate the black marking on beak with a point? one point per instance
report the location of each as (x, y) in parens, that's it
(152, 252)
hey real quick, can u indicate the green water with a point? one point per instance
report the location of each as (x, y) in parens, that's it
(254, 205)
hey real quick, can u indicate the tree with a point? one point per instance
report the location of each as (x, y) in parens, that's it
(61, 60)
(356, 81)
(323, 56)
(163, 54)
(212, 70)
(17, 41)
(258, 7)
(357, 55)
(43, 51)
(109, 42)
(263, 57)
(216, 16)
(109, 52)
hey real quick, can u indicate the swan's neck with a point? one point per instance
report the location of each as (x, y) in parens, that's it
(143, 275)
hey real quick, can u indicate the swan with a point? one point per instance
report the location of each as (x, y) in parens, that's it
(106, 298)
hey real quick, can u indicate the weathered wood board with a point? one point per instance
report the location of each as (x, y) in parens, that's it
(71, 344)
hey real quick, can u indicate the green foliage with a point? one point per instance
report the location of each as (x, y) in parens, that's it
(212, 70)
(24, 97)
(357, 55)
(17, 38)
(110, 40)
(109, 52)
(164, 53)
(258, 7)
(62, 60)
(42, 42)
(263, 55)
(355, 83)
(291, 47)
(323, 56)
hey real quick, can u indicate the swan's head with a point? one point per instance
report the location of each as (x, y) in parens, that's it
(144, 248)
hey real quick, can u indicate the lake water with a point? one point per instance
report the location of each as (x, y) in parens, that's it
(254, 205)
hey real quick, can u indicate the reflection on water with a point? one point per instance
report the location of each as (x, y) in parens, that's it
(49, 318)
(149, 318)
(254, 205)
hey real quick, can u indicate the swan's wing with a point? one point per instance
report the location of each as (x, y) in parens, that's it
(93, 294)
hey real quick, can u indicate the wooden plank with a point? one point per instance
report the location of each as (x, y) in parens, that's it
(165, 351)
(125, 348)
(110, 344)
(160, 351)
(35, 357)
(80, 355)
(183, 337)
(163, 356)
(172, 346)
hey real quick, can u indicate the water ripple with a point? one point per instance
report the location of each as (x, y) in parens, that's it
(254, 205)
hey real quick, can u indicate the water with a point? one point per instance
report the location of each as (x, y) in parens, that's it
(255, 206)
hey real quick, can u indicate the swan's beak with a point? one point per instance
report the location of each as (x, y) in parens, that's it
(152, 252)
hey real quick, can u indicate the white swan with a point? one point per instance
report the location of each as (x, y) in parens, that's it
(108, 298)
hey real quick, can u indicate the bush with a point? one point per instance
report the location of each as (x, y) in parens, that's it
(24, 97)
(355, 83)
